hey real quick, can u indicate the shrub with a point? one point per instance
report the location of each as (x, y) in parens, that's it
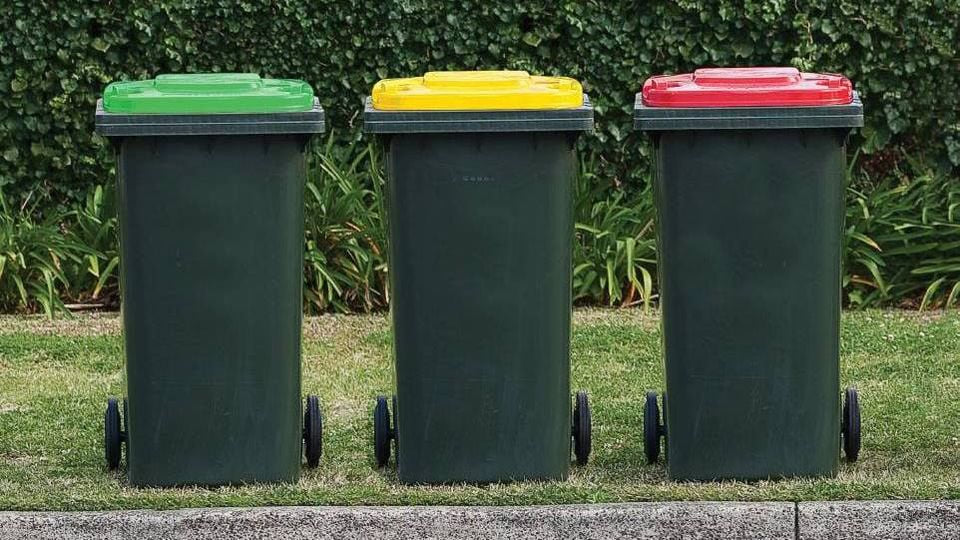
(345, 252)
(33, 255)
(903, 241)
(902, 245)
(54, 63)
(95, 277)
(614, 249)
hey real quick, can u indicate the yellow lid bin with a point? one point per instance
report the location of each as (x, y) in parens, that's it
(477, 91)
(481, 168)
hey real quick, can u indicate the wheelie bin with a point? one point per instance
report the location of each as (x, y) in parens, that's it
(749, 186)
(480, 167)
(210, 175)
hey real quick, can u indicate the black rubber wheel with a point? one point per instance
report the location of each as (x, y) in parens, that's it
(582, 428)
(312, 431)
(850, 425)
(112, 434)
(381, 432)
(652, 429)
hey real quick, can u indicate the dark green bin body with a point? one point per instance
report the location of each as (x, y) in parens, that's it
(211, 226)
(750, 229)
(481, 225)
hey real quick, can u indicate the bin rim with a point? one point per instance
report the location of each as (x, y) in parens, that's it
(144, 125)
(576, 119)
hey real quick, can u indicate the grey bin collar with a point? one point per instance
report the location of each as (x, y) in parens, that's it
(683, 119)
(145, 125)
(377, 121)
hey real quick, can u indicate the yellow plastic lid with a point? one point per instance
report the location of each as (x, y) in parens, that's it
(477, 91)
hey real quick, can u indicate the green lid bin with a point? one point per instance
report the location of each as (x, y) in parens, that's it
(480, 169)
(749, 187)
(210, 175)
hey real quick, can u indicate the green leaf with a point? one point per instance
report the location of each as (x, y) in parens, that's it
(532, 39)
(866, 240)
(99, 44)
(930, 293)
(743, 49)
(952, 297)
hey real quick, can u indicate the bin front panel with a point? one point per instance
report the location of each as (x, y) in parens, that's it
(212, 247)
(750, 231)
(480, 239)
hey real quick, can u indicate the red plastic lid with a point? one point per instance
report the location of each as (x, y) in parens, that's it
(747, 87)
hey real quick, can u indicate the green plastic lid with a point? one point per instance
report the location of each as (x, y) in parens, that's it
(208, 93)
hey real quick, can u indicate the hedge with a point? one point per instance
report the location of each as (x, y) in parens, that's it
(55, 60)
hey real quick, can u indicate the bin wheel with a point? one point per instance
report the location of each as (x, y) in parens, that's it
(652, 428)
(381, 432)
(113, 435)
(582, 428)
(850, 425)
(312, 431)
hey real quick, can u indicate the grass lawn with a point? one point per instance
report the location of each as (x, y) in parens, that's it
(55, 377)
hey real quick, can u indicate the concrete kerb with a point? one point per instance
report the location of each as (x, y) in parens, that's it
(868, 520)
(706, 521)
(879, 520)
